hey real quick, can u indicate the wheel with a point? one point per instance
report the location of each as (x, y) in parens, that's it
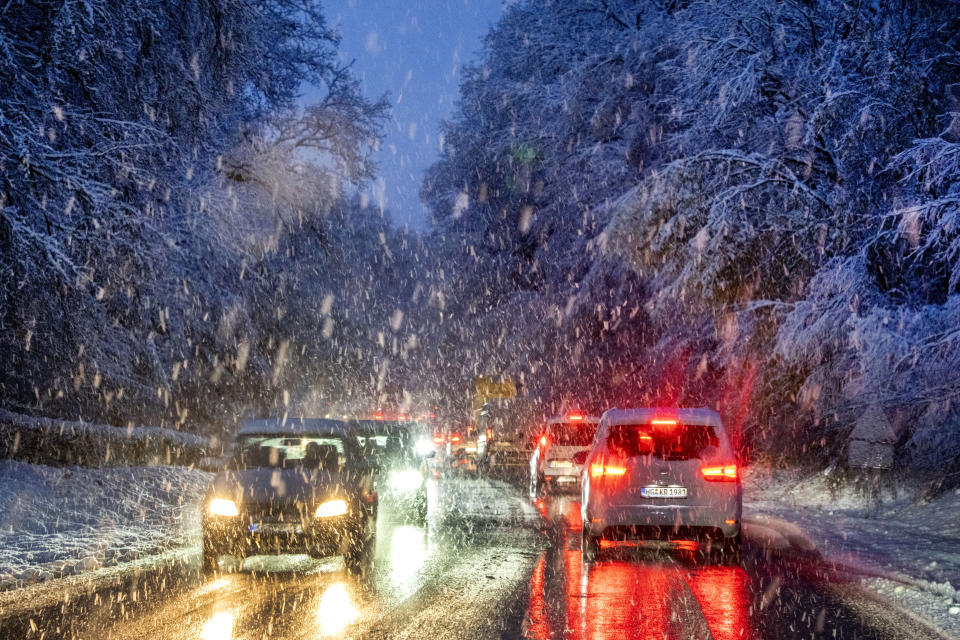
(589, 546)
(732, 547)
(211, 556)
(358, 553)
(421, 508)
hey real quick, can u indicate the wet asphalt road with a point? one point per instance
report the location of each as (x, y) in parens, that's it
(488, 564)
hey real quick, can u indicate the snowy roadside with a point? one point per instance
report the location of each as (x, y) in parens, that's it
(907, 551)
(61, 521)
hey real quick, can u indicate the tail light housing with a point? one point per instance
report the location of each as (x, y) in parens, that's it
(604, 470)
(489, 433)
(437, 439)
(543, 441)
(455, 437)
(721, 473)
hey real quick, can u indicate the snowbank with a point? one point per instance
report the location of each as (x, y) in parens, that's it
(906, 549)
(57, 521)
(63, 442)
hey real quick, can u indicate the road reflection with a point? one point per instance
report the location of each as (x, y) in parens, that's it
(632, 591)
(219, 626)
(336, 609)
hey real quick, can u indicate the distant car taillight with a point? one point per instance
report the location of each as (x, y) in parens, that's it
(543, 441)
(437, 439)
(489, 433)
(726, 473)
(455, 438)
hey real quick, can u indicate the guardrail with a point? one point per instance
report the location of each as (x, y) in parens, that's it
(64, 442)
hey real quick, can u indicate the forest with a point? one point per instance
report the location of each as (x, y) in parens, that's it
(747, 205)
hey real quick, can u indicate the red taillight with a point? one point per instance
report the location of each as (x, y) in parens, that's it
(437, 439)
(378, 416)
(603, 469)
(454, 438)
(489, 433)
(543, 441)
(575, 417)
(402, 417)
(726, 473)
(664, 422)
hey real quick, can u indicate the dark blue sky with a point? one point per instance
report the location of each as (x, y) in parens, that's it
(412, 49)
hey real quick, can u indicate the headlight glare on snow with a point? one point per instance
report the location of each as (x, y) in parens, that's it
(407, 480)
(331, 508)
(223, 507)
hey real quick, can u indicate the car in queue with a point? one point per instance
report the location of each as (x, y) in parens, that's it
(464, 450)
(400, 450)
(296, 485)
(662, 474)
(552, 465)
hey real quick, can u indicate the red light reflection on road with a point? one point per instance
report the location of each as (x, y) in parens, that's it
(573, 516)
(724, 597)
(539, 623)
(629, 592)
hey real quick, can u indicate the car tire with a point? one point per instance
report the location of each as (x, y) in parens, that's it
(359, 553)
(421, 509)
(210, 560)
(732, 547)
(589, 546)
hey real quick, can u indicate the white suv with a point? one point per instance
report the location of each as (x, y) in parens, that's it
(664, 474)
(552, 465)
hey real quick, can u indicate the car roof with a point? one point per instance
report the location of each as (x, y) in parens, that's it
(565, 420)
(385, 425)
(295, 426)
(703, 416)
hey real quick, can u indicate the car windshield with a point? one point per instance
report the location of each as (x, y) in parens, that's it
(571, 434)
(673, 442)
(325, 452)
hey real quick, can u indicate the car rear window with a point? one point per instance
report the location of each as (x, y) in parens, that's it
(668, 442)
(319, 451)
(571, 434)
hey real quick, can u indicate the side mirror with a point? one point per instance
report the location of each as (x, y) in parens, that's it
(580, 457)
(211, 464)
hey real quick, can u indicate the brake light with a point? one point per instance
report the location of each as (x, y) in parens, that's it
(604, 470)
(437, 439)
(664, 421)
(402, 417)
(543, 441)
(469, 430)
(489, 433)
(378, 416)
(575, 417)
(726, 473)
(454, 438)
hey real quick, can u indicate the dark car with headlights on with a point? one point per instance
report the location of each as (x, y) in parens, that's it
(399, 450)
(292, 486)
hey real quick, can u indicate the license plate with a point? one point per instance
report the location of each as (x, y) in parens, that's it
(663, 492)
(566, 479)
(561, 464)
(270, 527)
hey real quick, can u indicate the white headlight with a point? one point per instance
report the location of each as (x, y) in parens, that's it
(408, 480)
(424, 447)
(331, 508)
(223, 507)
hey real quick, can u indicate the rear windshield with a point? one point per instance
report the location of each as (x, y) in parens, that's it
(670, 442)
(325, 452)
(571, 434)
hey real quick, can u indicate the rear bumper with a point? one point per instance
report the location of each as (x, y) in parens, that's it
(241, 537)
(663, 521)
